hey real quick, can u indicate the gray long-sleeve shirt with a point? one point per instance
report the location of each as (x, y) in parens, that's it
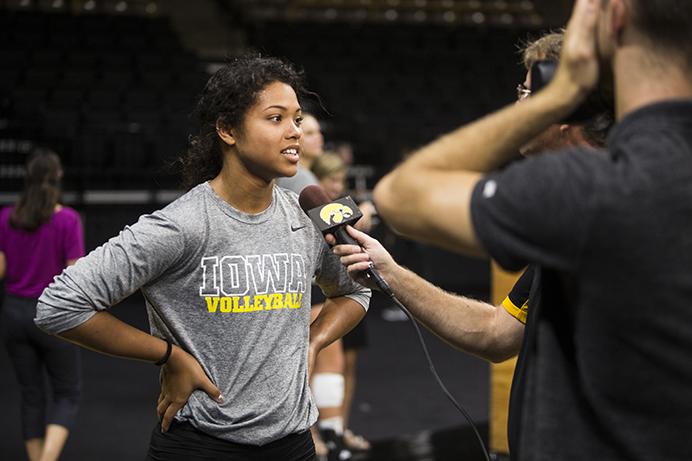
(231, 289)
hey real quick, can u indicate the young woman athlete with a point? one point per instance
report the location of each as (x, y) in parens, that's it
(225, 271)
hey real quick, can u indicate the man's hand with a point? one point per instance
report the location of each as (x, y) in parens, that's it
(579, 67)
(181, 376)
(357, 259)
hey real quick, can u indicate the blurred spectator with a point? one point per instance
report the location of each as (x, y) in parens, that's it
(331, 172)
(38, 239)
(312, 146)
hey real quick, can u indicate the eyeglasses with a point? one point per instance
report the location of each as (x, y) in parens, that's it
(523, 92)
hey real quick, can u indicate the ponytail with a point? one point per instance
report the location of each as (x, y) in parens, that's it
(41, 191)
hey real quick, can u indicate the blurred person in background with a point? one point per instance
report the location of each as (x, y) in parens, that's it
(331, 172)
(345, 151)
(591, 132)
(330, 361)
(312, 145)
(39, 237)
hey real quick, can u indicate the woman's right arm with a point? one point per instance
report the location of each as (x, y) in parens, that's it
(182, 374)
(107, 334)
(110, 273)
(73, 306)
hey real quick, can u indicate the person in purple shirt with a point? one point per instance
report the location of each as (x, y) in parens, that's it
(38, 239)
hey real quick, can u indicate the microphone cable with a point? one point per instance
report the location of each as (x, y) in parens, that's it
(385, 288)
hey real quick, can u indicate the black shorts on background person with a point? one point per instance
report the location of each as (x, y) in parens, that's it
(39, 237)
(34, 354)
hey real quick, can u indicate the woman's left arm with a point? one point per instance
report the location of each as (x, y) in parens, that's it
(346, 304)
(338, 316)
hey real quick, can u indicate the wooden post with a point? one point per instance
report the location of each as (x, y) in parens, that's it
(501, 373)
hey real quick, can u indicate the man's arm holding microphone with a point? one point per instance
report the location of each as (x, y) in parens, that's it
(478, 328)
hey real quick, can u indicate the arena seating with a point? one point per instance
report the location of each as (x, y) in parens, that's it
(390, 88)
(110, 93)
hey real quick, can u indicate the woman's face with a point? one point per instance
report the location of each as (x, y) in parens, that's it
(334, 184)
(268, 146)
(313, 141)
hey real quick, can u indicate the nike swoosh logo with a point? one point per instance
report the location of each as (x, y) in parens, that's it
(296, 228)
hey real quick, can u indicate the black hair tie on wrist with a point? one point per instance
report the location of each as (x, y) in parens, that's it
(167, 355)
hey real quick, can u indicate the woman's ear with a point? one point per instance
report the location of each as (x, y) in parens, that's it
(225, 134)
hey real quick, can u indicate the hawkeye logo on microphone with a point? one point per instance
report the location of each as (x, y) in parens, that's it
(335, 214)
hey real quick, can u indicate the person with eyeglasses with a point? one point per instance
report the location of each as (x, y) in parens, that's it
(592, 132)
(590, 135)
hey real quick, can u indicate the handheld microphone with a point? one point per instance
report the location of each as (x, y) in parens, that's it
(332, 217)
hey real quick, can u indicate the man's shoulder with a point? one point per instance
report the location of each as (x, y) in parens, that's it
(538, 210)
(541, 177)
(575, 160)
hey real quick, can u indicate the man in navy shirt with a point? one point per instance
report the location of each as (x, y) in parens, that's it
(606, 370)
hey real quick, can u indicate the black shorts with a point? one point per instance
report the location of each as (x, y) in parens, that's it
(183, 442)
(316, 295)
(354, 339)
(358, 337)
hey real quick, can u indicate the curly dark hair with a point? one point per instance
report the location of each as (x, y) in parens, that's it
(225, 100)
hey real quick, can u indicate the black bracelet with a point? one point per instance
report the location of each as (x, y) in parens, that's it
(165, 358)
